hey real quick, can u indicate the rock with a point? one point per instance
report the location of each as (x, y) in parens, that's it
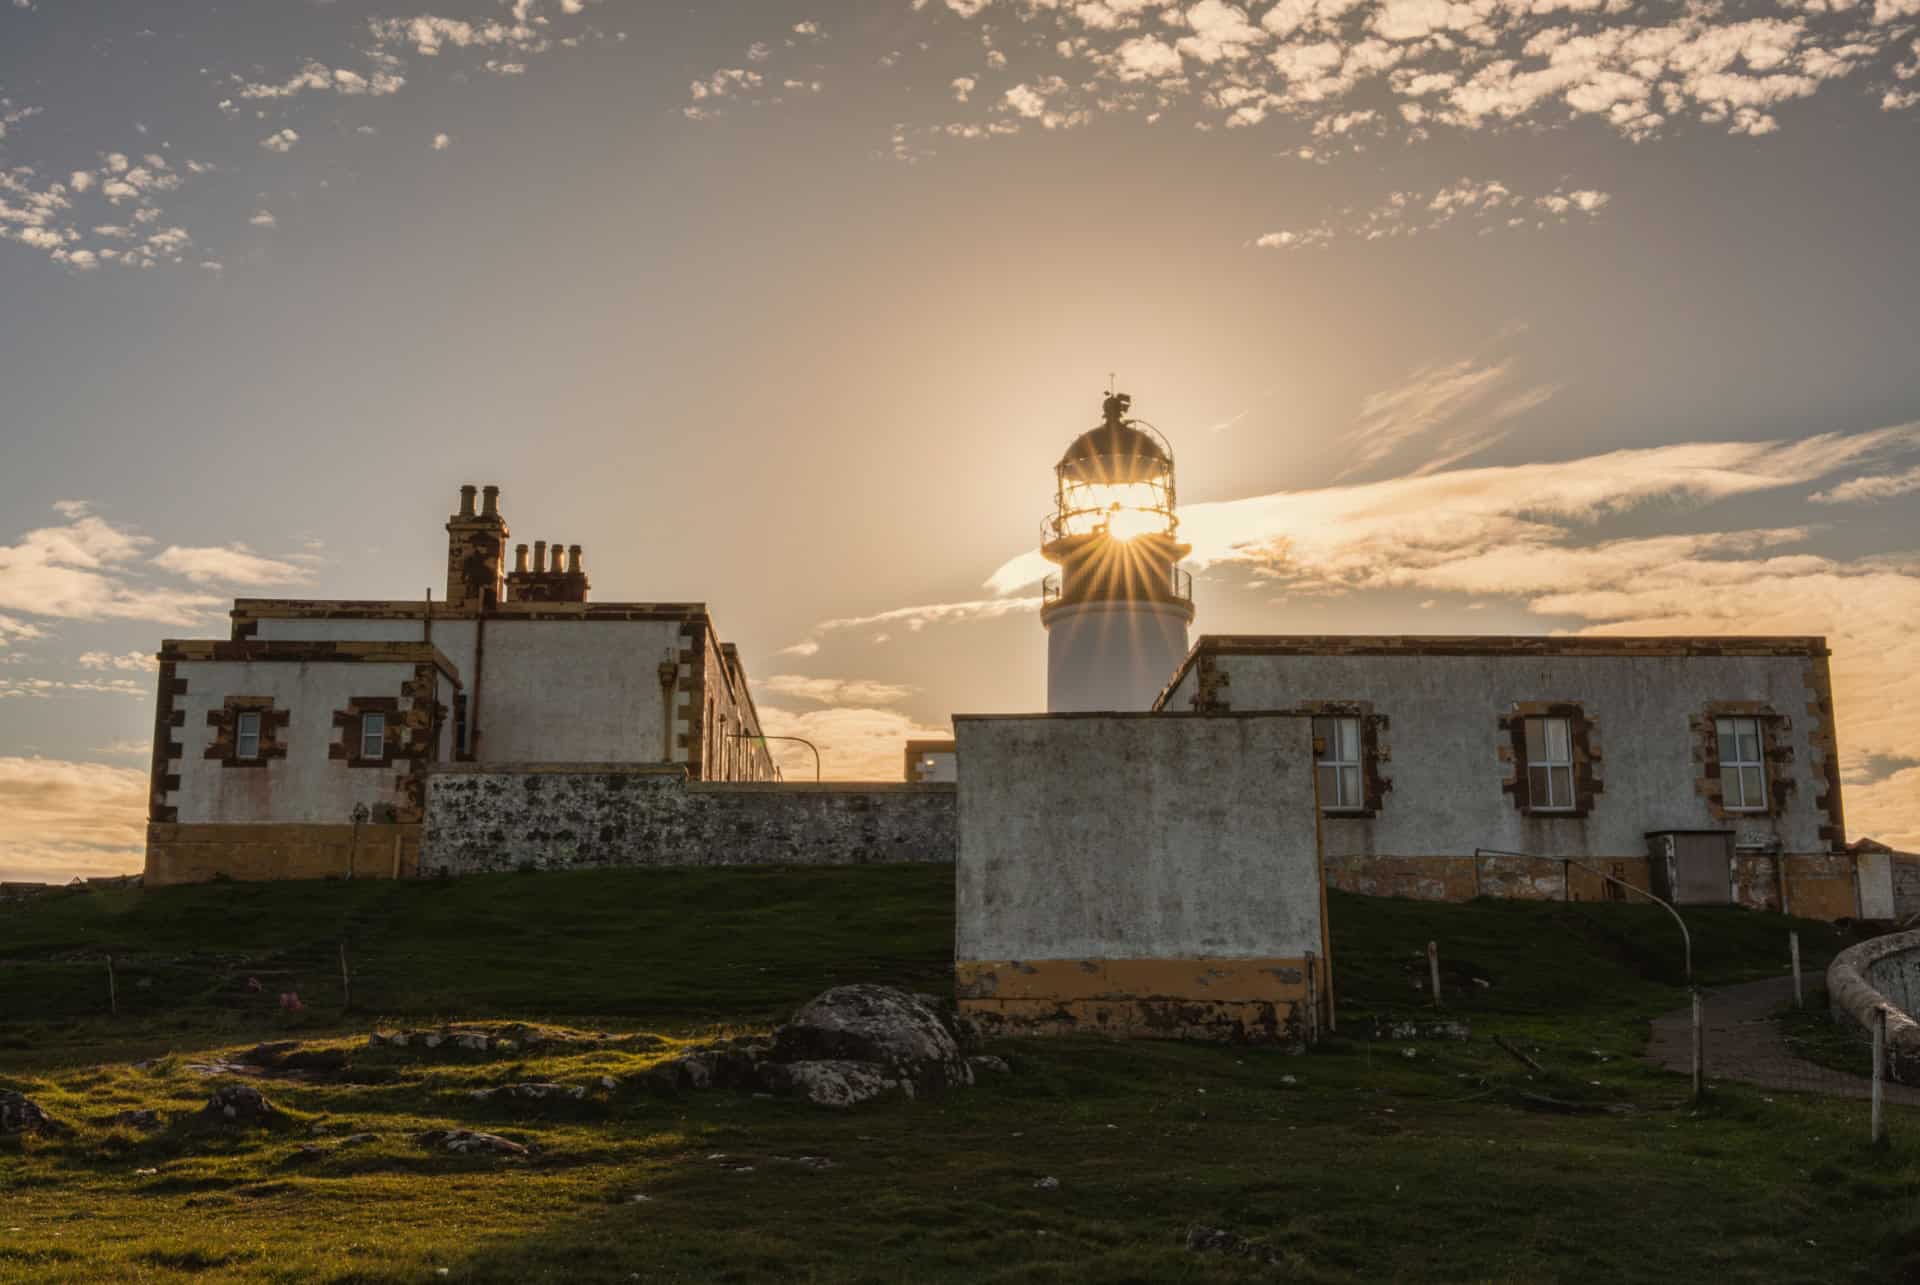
(270, 1054)
(21, 1114)
(987, 1062)
(137, 1119)
(528, 1093)
(241, 1104)
(359, 1139)
(464, 1142)
(1218, 1240)
(315, 1060)
(830, 1082)
(1046, 1184)
(865, 1023)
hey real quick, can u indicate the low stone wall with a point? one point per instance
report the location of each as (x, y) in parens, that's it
(1877, 975)
(489, 816)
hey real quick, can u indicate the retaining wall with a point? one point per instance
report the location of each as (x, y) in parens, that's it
(1882, 974)
(490, 816)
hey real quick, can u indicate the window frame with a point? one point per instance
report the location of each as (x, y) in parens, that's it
(374, 722)
(241, 732)
(1343, 754)
(1584, 779)
(1737, 765)
(1555, 766)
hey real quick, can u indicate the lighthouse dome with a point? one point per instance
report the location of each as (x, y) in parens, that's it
(1115, 450)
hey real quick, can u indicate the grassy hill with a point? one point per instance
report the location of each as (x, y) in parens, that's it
(1362, 1160)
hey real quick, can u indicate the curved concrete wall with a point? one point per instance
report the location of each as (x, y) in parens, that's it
(1882, 974)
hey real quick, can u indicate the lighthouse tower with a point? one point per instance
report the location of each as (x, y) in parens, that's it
(1117, 611)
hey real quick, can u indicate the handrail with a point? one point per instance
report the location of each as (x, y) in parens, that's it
(1179, 585)
(1685, 936)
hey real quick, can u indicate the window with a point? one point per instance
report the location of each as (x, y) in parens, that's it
(1549, 765)
(246, 735)
(1339, 764)
(373, 736)
(1743, 777)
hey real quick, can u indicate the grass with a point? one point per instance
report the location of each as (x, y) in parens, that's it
(1362, 1160)
(1814, 1036)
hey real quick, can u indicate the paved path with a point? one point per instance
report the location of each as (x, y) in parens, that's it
(1743, 1042)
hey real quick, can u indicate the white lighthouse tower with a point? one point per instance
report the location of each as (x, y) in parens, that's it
(1117, 611)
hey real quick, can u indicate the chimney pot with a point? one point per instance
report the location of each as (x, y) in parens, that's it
(490, 502)
(466, 501)
(520, 558)
(539, 557)
(574, 566)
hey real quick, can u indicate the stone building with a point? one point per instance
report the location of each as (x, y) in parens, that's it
(270, 742)
(1703, 768)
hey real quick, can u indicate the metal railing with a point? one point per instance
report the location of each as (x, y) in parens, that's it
(1179, 586)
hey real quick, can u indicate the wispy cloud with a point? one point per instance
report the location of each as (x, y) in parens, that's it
(837, 691)
(137, 661)
(1486, 203)
(1882, 486)
(232, 564)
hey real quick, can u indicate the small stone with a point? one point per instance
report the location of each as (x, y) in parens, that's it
(242, 1104)
(1047, 1184)
(1288, 1080)
(145, 1173)
(467, 1142)
(21, 1114)
(988, 1062)
(639, 1198)
(608, 1083)
(138, 1119)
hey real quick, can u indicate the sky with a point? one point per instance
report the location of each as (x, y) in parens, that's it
(1500, 316)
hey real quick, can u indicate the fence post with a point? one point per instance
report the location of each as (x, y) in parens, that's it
(1879, 1072)
(113, 994)
(1699, 1052)
(1799, 997)
(1433, 970)
(346, 981)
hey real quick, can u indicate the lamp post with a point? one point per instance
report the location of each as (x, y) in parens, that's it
(360, 815)
(762, 736)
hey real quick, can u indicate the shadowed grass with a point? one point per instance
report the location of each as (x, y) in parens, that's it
(1365, 1160)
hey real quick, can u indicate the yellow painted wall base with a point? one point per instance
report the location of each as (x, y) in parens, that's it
(1242, 1000)
(201, 853)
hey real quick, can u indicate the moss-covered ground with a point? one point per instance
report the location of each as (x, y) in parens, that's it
(1363, 1160)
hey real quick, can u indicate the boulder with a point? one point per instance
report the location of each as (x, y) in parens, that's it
(879, 1024)
(21, 1114)
(241, 1104)
(830, 1082)
(138, 1119)
(464, 1142)
(529, 1093)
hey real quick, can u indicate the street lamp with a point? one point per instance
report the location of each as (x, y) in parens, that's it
(762, 736)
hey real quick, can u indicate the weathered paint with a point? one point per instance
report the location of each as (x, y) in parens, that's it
(199, 853)
(482, 817)
(1158, 874)
(1444, 776)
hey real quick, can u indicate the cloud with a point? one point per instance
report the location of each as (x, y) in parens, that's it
(77, 572)
(805, 647)
(855, 743)
(63, 819)
(1882, 486)
(1436, 395)
(1485, 202)
(837, 691)
(263, 219)
(138, 661)
(316, 76)
(42, 688)
(914, 619)
(232, 564)
(280, 141)
(441, 142)
(12, 631)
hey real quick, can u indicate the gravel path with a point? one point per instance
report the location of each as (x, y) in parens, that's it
(1743, 1042)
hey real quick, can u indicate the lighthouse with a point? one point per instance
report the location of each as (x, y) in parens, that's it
(1117, 611)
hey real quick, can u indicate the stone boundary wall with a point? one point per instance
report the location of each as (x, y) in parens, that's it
(494, 816)
(1882, 974)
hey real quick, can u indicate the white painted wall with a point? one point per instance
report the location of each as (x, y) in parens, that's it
(306, 785)
(572, 691)
(585, 691)
(1444, 743)
(1112, 655)
(1156, 837)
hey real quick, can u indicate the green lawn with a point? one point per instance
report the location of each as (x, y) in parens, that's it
(1363, 1160)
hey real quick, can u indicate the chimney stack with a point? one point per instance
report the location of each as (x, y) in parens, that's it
(466, 501)
(520, 559)
(476, 550)
(539, 557)
(574, 566)
(490, 502)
